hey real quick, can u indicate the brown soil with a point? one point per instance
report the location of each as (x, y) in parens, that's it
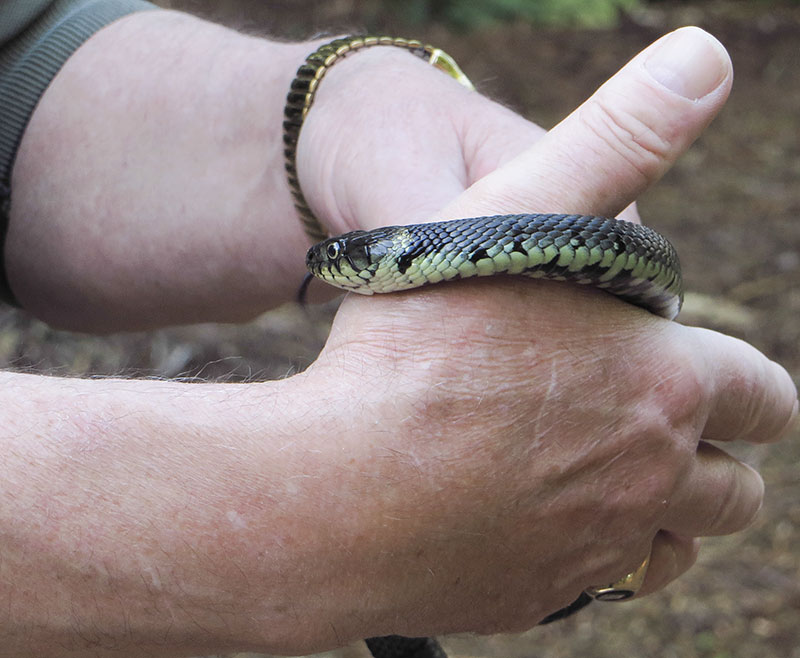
(731, 206)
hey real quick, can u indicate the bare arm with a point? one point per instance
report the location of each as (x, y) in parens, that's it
(149, 187)
(145, 517)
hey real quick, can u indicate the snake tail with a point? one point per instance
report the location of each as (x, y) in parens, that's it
(397, 646)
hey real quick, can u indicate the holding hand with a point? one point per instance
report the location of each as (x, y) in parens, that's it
(527, 440)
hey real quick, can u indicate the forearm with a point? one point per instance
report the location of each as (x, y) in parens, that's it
(170, 518)
(149, 185)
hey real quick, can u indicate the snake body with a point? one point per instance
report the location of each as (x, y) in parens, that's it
(629, 260)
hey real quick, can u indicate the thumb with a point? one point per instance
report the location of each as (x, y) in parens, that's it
(621, 140)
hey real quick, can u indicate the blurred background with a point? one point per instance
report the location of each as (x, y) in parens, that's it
(731, 206)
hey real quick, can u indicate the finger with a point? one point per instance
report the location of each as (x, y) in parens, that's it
(671, 556)
(492, 137)
(631, 214)
(752, 398)
(619, 141)
(719, 495)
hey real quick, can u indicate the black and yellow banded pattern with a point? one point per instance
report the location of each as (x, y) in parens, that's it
(628, 260)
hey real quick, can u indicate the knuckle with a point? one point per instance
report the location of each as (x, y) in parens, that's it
(678, 384)
(658, 457)
(739, 497)
(682, 395)
(755, 402)
(628, 136)
(666, 458)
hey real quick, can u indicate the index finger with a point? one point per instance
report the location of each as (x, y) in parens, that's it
(752, 398)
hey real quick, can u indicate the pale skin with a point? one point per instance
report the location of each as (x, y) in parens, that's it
(455, 460)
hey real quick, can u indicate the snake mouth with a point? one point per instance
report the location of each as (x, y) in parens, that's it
(339, 264)
(349, 261)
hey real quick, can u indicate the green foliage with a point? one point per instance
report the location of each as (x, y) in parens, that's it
(470, 14)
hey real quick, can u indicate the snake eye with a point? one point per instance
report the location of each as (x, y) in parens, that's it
(333, 250)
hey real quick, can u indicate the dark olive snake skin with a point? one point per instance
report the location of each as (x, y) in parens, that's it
(629, 260)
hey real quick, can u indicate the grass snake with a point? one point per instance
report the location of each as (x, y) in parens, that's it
(629, 260)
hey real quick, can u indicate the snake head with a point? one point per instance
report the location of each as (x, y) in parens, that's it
(347, 261)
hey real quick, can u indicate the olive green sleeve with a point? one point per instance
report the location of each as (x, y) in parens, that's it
(36, 38)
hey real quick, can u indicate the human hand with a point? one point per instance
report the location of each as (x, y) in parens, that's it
(416, 135)
(514, 442)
